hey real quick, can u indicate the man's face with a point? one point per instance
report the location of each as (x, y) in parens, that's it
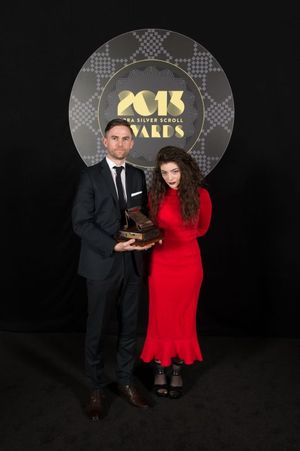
(118, 142)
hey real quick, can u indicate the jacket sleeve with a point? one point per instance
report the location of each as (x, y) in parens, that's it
(205, 212)
(83, 219)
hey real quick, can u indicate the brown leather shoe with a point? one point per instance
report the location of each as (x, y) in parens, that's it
(96, 408)
(133, 396)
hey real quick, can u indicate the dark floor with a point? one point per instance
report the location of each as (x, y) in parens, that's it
(243, 397)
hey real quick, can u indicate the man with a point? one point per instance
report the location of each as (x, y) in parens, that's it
(113, 270)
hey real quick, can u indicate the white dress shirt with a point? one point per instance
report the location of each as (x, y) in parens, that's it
(111, 165)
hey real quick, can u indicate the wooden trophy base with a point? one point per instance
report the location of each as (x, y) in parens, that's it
(142, 238)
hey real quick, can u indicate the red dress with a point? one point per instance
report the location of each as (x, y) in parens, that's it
(174, 284)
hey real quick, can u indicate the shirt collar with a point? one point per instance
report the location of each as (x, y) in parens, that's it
(111, 164)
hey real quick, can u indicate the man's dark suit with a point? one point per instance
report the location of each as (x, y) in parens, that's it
(113, 278)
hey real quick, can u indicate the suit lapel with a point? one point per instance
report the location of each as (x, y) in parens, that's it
(107, 177)
(129, 183)
(106, 174)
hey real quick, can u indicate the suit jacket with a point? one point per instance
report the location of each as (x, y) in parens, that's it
(96, 217)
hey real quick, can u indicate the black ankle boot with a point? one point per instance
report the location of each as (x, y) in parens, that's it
(176, 391)
(160, 390)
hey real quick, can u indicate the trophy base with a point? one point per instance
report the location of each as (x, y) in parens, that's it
(141, 238)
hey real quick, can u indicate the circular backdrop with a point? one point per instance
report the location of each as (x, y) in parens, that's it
(169, 88)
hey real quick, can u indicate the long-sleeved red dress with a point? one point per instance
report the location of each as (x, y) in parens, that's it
(175, 279)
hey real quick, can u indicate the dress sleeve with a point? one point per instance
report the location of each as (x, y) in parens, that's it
(205, 212)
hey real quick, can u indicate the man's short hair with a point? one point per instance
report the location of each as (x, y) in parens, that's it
(118, 121)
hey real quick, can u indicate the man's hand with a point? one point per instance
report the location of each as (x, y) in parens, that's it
(129, 245)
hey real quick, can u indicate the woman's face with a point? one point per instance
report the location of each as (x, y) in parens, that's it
(170, 172)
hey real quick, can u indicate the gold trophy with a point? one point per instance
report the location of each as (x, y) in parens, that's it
(139, 227)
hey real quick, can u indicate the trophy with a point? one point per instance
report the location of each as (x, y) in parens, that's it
(139, 227)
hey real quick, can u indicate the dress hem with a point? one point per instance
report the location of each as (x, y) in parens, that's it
(165, 350)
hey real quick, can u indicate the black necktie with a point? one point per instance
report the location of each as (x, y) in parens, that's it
(122, 201)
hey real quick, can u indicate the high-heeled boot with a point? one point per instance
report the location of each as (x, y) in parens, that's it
(176, 383)
(160, 386)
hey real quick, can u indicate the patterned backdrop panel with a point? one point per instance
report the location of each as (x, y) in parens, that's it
(169, 88)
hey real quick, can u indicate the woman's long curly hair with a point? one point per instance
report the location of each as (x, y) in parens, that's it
(191, 179)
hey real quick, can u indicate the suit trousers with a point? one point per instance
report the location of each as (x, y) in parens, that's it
(121, 289)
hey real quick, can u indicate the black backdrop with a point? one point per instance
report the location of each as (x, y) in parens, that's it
(251, 252)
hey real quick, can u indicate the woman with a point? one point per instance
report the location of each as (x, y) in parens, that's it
(181, 207)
